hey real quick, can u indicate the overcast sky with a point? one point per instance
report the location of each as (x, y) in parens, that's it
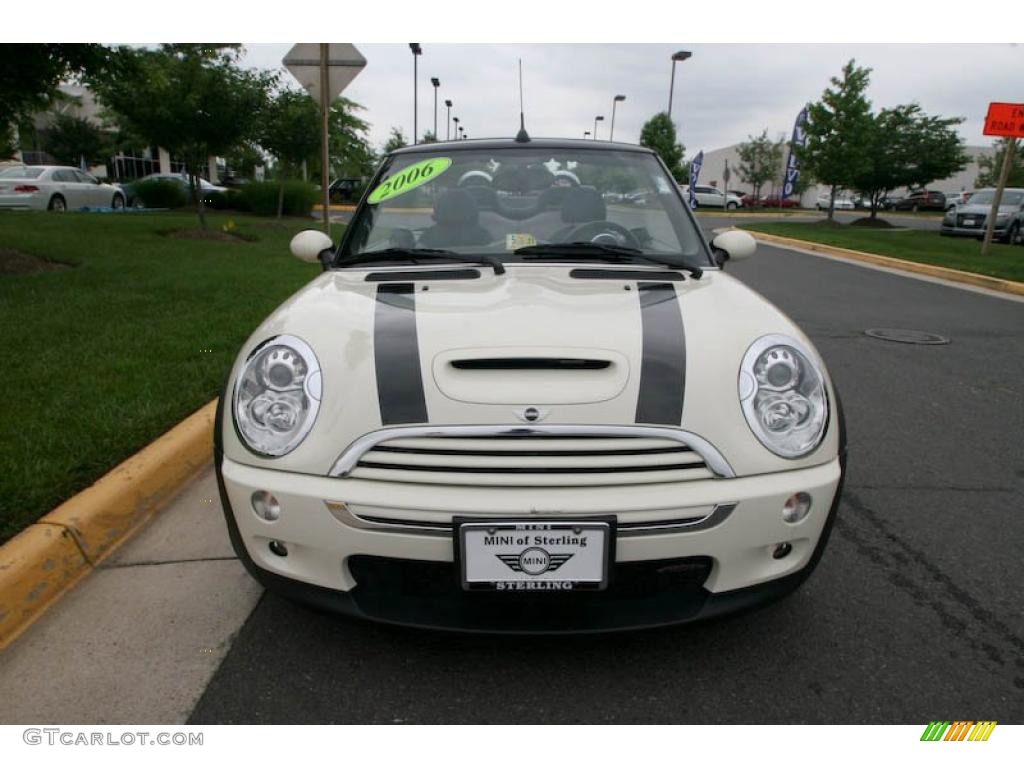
(723, 93)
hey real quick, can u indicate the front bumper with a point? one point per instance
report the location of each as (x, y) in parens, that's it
(410, 577)
(998, 232)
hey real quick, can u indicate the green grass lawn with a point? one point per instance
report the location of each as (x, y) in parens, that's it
(108, 354)
(1005, 261)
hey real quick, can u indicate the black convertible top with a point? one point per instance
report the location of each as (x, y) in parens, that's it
(477, 144)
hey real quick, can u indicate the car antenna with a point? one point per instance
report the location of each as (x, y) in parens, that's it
(522, 137)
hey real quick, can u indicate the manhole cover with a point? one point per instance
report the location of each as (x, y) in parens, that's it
(904, 336)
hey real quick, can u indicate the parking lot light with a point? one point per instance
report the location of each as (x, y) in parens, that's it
(615, 103)
(448, 120)
(677, 56)
(597, 119)
(416, 52)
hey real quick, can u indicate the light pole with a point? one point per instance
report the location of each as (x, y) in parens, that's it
(585, 134)
(597, 119)
(448, 121)
(677, 56)
(615, 103)
(437, 84)
(416, 51)
(461, 131)
(456, 121)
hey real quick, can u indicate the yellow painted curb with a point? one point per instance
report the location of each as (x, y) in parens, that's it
(945, 273)
(49, 557)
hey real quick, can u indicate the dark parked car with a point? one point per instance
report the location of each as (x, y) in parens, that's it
(346, 190)
(922, 200)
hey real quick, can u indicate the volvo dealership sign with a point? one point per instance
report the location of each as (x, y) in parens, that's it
(793, 163)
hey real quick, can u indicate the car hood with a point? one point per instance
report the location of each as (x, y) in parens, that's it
(480, 351)
(983, 209)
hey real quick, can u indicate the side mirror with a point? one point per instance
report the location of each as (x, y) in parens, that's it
(734, 244)
(309, 246)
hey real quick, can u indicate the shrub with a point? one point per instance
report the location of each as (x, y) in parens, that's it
(261, 198)
(161, 193)
(222, 201)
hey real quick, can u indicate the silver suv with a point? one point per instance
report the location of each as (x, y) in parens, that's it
(970, 219)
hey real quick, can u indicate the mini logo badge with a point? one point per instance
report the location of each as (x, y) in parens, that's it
(532, 413)
(534, 561)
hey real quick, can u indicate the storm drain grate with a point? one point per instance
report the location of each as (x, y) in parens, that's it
(903, 336)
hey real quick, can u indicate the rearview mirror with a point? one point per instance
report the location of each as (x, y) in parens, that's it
(310, 244)
(734, 244)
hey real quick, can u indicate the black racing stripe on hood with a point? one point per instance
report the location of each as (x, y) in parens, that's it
(663, 364)
(396, 355)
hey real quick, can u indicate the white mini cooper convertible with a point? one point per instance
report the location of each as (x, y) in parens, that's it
(519, 400)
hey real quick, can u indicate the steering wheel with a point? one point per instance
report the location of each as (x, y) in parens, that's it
(606, 232)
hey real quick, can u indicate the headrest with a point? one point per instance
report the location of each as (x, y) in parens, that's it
(583, 204)
(456, 208)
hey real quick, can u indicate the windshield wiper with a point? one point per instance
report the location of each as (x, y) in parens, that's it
(602, 252)
(414, 254)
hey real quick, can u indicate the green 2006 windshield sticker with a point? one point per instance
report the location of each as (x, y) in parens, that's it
(409, 178)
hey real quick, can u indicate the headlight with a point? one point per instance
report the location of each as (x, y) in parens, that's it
(277, 396)
(782, 393)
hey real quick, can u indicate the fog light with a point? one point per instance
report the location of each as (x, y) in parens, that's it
(278, 548)
(266, 506)
(796, 507)
(781, 550)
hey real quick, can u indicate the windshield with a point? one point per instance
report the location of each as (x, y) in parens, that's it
(496, 201)
(985, 197)
(21, 172)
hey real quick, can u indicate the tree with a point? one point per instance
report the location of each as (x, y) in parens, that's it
(193, 100)
(395, 141)
(992, 165)
(289, 129)
(659, 133)
(429, 138)
(69, 139)
(351, 155)
(760, 161)
(30, 75)
(838, 130)
(907, 148)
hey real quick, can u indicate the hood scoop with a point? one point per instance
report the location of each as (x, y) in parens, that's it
(533, 375)
(530, 364)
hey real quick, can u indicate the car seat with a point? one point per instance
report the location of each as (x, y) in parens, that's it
(457, 222)
(581, 205)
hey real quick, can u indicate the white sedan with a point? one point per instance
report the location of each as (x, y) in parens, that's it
(841, 203)
(512, 407)
(55, 188)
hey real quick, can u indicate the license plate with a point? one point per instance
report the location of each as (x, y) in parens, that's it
(533, 555)
(969, 222)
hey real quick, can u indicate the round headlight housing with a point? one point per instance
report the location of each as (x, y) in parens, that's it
(277, 396)
(782, 392)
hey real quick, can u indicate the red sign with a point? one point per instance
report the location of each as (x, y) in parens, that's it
(1005, 120)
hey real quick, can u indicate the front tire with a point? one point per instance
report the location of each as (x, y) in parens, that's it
(731, 207)
(117, 203)
(57, 204)
(1012, 235)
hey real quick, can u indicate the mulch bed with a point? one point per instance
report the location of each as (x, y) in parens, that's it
(17, 263)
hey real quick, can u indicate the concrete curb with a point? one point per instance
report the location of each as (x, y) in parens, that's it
(48, 558)
(945, 273)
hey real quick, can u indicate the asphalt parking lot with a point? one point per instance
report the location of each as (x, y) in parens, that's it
(913, 615)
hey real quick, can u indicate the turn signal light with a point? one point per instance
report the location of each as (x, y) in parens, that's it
(796, 507)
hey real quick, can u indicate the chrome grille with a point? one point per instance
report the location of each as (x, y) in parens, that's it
(530, 459)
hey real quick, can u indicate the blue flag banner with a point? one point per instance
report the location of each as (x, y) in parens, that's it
(695, 166)
(792, 164)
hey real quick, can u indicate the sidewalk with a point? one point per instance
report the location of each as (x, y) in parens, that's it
(138, 640)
